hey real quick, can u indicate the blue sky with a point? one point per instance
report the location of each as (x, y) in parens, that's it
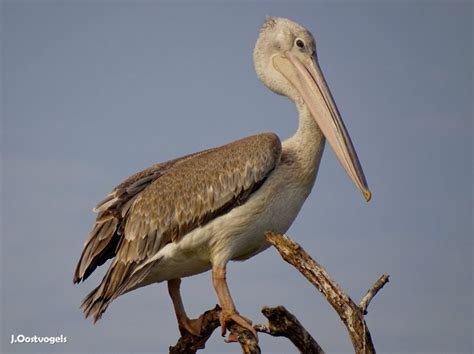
(95, 91)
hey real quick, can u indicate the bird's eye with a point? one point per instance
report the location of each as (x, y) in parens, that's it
(300, 43)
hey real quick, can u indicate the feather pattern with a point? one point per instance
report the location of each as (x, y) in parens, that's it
(162, 204)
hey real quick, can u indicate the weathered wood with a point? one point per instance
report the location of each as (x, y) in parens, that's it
(282, 323)
(247, 340)
(190, 344)
(379, 284)
(351, 314)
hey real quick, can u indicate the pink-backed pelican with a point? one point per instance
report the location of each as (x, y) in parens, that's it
(196, 213)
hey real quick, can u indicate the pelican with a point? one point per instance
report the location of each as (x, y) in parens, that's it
(196, 213)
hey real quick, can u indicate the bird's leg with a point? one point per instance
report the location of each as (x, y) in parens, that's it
(192, 326)
(228, 313)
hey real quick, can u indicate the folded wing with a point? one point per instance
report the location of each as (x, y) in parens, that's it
(166, 201)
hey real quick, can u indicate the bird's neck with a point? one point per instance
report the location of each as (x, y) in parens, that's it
(307, 144)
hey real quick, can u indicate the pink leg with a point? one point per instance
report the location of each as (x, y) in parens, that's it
(184, 323)
(228, 313)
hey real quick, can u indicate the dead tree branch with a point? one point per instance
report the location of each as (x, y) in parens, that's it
(282, 323)
(190, 344)
(351, 314)
(379, 284)
(247, 340)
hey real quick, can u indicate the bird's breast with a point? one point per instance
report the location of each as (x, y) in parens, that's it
(240, 234)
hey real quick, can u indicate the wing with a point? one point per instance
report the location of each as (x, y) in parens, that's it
(106, 233)
(166, 201)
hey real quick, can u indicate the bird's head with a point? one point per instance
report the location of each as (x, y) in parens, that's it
(286, 62)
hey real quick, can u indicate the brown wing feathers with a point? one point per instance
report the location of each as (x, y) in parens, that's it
(165, 202)
(105, 235)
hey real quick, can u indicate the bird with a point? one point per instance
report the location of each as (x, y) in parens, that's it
(197, 213)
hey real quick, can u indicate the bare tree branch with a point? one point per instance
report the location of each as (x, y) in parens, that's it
(379, 284)
(190, 344)
(247, 340)
(348, 311)
(282, 323)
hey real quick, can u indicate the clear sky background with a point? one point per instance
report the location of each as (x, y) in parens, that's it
(93, 91)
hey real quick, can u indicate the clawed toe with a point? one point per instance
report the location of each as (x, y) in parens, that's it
(226, 317)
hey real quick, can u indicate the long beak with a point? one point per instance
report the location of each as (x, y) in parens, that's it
(308, 79)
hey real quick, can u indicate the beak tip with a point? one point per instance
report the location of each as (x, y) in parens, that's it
(367, 195)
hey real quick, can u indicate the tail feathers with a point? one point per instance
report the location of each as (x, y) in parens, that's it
(119, 279)
(95, 304)
(110, 288)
